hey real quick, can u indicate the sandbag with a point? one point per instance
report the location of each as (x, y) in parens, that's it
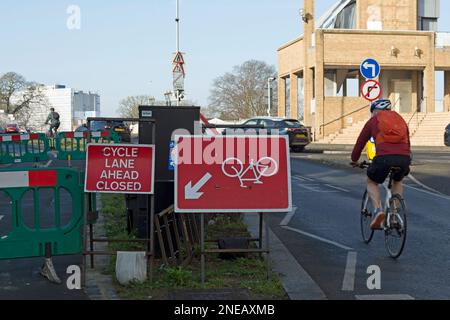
(131, 267)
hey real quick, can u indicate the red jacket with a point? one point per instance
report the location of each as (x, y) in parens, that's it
(383, 149)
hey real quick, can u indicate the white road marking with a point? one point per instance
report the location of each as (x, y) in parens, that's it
(316, 188)
(348, 284)
(287, 219)
(413, 179)
(428, 192)
(382, 297)
(338, 188)
(304, 178)
(336, 244)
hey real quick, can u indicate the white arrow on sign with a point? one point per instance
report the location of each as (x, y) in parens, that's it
(191, 192)
(368, 65)
(1, 218)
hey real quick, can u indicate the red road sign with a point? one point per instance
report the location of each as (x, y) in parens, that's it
(120, 168)
(371, 90)
(232, 174)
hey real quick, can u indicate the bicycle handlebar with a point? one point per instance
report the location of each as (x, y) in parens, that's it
(362, 165)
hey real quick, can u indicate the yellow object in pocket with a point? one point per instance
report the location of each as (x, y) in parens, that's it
(371, 149)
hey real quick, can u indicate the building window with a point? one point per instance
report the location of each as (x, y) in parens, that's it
(346, 19)
(429, 24)
(287, 82)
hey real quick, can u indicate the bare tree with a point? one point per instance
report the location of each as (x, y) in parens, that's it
(242, 93)
(34, 117)
(17, 94)
(129, 107)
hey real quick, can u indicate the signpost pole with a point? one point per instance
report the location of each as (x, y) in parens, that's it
(202, 244)
(86, 208)
(151, 219)
(266, 222)
(87, 199)
(261, 223)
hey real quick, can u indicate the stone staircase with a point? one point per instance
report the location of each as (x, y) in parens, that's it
(426, 129)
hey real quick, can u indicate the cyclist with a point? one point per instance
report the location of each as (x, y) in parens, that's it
(393, 147)
(53, 120)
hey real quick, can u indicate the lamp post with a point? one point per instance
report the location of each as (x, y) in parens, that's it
(269, 95)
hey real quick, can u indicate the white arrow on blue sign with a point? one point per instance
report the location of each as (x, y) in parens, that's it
(370, 69)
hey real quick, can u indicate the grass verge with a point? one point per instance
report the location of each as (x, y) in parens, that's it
(249, 273)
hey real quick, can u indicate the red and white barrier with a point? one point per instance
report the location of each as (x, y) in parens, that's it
(27, 179)
(97, 134)
(19, 137)
(211, 132)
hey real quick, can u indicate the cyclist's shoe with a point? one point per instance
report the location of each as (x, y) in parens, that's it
(377, 223)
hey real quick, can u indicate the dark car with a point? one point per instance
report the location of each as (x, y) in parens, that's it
(117, 126)
(299, 135)
(12, 128)
(447, 136)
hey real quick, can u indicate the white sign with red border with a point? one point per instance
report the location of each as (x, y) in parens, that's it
(120, 168)
(371, 90)
(232, 174)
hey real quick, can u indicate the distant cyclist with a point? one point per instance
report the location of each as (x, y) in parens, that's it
(393, 147)
(53, 121)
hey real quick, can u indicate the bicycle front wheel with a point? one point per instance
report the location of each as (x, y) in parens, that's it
(367, 215)
(396, 229)
(232, 167)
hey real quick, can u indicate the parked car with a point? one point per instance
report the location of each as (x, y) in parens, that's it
(299, 135)
(12, 128)
(447, 136)
(117, 126)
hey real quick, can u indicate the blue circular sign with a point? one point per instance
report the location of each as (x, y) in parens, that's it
(370, 69)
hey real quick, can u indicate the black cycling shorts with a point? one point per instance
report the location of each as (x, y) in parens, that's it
(381, 166)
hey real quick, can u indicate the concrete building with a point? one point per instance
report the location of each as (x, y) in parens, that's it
(73, 106)
(319, 75)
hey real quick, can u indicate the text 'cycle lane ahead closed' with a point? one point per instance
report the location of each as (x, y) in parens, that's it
(120, 168)
(232, 174)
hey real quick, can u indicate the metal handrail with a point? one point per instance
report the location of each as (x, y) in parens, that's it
(414, 114)
(342, 117)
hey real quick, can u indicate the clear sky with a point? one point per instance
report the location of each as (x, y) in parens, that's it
(124, 47)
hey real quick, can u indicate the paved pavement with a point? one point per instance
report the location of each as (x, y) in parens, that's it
(324, 236)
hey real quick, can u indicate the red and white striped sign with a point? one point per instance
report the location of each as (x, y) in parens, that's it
(19, 137)
(24, 179)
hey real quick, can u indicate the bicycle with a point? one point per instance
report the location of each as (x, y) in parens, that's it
(395, 224)
(259, 169)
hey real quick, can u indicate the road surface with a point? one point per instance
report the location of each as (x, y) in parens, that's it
(324, 236)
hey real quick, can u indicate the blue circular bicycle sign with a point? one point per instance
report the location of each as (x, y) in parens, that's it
(370, 69)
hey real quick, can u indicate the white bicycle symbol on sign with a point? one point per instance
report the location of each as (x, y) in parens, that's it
(265, 167)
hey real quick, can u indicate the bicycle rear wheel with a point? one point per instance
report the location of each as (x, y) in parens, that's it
(367, 215)
(395, 234)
